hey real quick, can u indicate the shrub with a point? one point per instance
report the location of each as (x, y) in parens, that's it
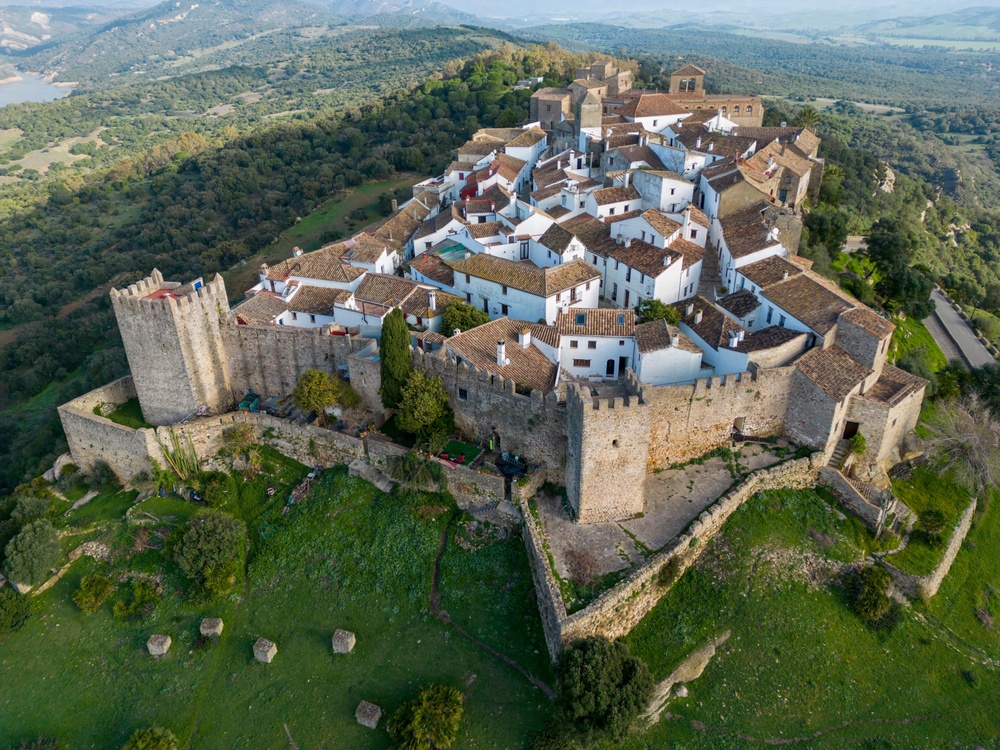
(212, 549)
(424, 410)
(217, 488)
(602, 687)
(102, 477)
(314, 392)
(93, 592)
(151, 738)
(858, 444)
(32, 553)
(669, 573)
(139, 603)
(15, 611)
(932, 522)
(867, 590)
(347, 396)
(431, 720)
(554, 738)
(28, 508)
(462, 316)
(653, 309)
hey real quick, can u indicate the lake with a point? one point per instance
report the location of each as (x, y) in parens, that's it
(31, 88)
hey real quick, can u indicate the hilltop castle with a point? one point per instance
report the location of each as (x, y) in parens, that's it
(680, 198)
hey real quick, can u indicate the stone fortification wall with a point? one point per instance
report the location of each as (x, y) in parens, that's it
(812, 414)
(847, 495)
(366, 378)
(687, 421)
(885, 424)
(174, 347)
(532, 426)
(270, 359)
(620, 609)
(924, 587)
(606, 457)
(95, 438)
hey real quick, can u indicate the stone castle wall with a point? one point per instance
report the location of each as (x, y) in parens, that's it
(621, 608)
(94, 438)
(925, 587)
(687, 421)
(174, 348)
(884, 424)
(532, 426)
(606, 457)
(270, 359)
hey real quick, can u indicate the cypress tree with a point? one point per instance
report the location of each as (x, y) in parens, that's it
(395, 353)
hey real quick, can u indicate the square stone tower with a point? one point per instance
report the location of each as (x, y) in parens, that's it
(173, 339)
(607, 451)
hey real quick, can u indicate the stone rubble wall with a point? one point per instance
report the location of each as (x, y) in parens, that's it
(848, 496)
(925, 587)
(621, 608)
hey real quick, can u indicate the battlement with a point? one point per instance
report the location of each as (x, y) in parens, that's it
(153, 295)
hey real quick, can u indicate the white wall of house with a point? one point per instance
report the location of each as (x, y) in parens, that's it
(728, 264)
(769, 314)
(722, 360)
(428, 241)
(657, 123)
(304, 320)
(638, 228)
(611, 209)
(667, 366)
(690, 277)
(626, 286)
(663, 193)
(602, 355)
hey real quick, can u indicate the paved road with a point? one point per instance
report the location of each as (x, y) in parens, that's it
(958, 333)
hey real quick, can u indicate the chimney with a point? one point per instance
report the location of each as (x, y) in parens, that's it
(618, 239)
(784, 275)
(628, 242)
(734, 339)
(456, 331)
(432, 299)
(628, 175)
(711, 146)
(493, 207)
(394, 205)
(464, 214)
(675, 339)
(468, 254)
(688, 310)
(296, 252)
(264, 269)
(697, 144)
(502, 360)
(524, 338)
(697, 317)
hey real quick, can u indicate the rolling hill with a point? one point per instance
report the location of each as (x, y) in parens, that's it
(968, 25)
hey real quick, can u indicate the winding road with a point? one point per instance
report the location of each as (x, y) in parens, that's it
(954, 335)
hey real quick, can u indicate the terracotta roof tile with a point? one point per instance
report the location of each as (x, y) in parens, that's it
(660, 222)
(528, 366)
(434, 268)
(832, 370)
(692, 253)
(768, 338)
(808, 301)
(606, 196)
(650, 105)
(261, 309)
(770, 271)
(740, 303)
(688, 70)
(543, 282)
(866, 318)
(317, 300)
(656, 335)
(645, 258)
(556, 238)
(593, 233)
(714, 326)
(745, 232)
(596, 322)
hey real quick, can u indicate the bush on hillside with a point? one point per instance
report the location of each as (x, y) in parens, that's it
(212, 550)
(140, 601)
(151, 738)
(15, 611)
(93, 592)
(602, 688)
(32, 553)
(28, 508)
(42, 742)
(868, 592)
(429, 721)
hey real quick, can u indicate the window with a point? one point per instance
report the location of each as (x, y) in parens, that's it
(524, 251)
(463, 395)
(581, 319)
(614, 292)
(591, 344)
(781, 320)
(312, 319)
(564, 200)
(611, 212)
(724, 110)
(587, 287)
(654, 123)
(749, 109)
(643, 233)
(621, 321)
(550, 255)
(572, 294)
(581, 363)
(626, 208)
(673, 190)
(736, 109)
(574, 344)
(295, 316)
(503, 289)
(482, 219)
(468, 297)
(628, 274)
(467, 278)
(420, 321)
(616, 265)
(770, 312)
(429, 245)
(558, 296)
(504, 309)
(694, 234)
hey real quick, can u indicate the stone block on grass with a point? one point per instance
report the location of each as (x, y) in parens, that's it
(368, 714)
(211, 627)
(158, 644)
(264, 650)
(343, 641)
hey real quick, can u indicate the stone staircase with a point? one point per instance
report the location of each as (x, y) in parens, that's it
(710, 276)
(840, 454)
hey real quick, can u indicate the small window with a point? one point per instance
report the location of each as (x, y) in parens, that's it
(621, 320)
(628, 274)
(749, 109)
(574, 344)
(295, 316)
(482, 219)
(611, 212)
(504, 309)
(463, 395)
(621, 342)
(503, 289)
(654, 123)
(591, 344)
(736, 109)
(587, 287)
(312, 319)
(558, 296)
(581, 363)
(781, 320)
(694, 234)
(468, 297)
(626, 208)
(467, 278)
(581, 319)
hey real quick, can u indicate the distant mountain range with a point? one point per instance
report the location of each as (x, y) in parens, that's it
(25, 27)
(971, 24)
(405, 13)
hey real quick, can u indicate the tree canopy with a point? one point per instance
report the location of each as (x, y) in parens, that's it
(394, 351)
(32, 554)
(212, 550)
(462, 316)
(314, 392)
(424, 409)
(653, 309)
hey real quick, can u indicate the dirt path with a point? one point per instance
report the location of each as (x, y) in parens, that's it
(443, 616)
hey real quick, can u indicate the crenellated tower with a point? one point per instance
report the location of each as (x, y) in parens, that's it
(173, 340)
